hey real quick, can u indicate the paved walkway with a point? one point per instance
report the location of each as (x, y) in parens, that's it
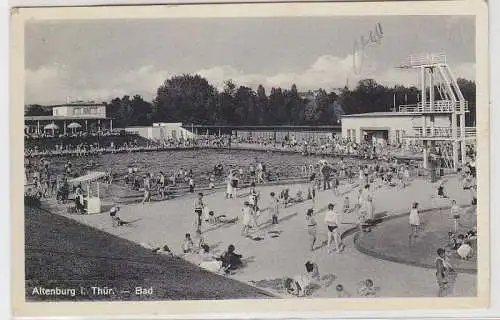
(273, 258)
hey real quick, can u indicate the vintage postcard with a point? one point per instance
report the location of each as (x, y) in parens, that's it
(250, 158)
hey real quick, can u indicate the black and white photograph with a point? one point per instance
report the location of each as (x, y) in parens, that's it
(252, 157)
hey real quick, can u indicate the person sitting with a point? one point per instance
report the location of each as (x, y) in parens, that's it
(116, 221)
(341, 293)
(471, 234)
(187, 245)
(367, 288)
(165, 250)
(301, 285)
(465, 250)
(208, 262)
(459, 242)
(452, 240)
(230, 260)
(298, 197)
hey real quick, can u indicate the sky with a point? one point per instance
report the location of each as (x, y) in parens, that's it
(102, 59)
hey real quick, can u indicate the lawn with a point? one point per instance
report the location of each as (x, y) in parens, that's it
(60, 252)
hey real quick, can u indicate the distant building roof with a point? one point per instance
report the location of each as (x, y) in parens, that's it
(379, 114)
(78, 104)
(56, 118)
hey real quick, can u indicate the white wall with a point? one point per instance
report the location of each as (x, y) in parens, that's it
(98, 111)
(160, 131)
(352, 126)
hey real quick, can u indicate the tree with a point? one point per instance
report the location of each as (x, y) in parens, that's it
(186, 98)
(468, 89)
(37, 110)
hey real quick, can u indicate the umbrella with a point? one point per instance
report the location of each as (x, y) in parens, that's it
(51, 126)
(74, 125)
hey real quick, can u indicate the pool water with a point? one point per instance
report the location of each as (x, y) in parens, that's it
(201, 162)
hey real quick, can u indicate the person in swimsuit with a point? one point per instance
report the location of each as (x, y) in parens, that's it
(332, 223)
(198, 210)
(311, 227)
(147, 189)
(161, 185)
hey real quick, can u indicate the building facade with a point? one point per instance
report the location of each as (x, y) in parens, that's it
(69, 118)
(387, 127)
(162, 131)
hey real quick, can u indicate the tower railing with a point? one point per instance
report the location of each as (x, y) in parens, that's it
(437, 106)
(439, 132)
(423, 60)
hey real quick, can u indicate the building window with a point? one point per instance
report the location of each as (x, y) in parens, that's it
(354, 135)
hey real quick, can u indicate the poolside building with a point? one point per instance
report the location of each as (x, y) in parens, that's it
(70, 117)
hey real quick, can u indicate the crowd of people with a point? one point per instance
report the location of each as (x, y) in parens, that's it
(376, 169)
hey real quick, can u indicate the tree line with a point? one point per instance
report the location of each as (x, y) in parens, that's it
(191, 99)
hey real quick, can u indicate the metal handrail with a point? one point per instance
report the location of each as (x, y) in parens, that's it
(427, 59)
(438, 106)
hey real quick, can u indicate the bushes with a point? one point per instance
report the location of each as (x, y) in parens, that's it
(31, 201)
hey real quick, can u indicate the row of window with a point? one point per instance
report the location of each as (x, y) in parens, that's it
(351, 133)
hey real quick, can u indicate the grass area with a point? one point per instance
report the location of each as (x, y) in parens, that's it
(389, 240)
(62, 253)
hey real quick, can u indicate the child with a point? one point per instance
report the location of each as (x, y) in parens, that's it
(246, 218)
(440, 191)
(284, 197)
(414, 222)
(347, 205)
(367, 288)
(274, 208)
(198, 242)
(311, 227)
(187, 245)
(312, 188)
(116, 221)
(211, 184)
(455, 214)
(452, 241)
(341, 293)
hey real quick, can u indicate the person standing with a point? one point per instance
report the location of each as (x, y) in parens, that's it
(274, 208)
(332, 223)
(443, 271)
(455, 214)
(198, 210)
(147, 189)
(229, 189)
(161, 185)
(414, 222)
(311, 227)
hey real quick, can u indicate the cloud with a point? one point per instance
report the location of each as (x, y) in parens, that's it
(328, 72)
(52, 84)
